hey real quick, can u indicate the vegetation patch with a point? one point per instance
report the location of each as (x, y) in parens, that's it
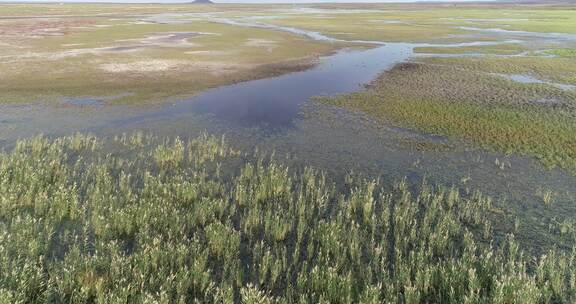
(555, 69)
(536, 120)
(500, 49)
(96, 55)
(411, 23)
(180, 221)
(362, 26)
(570, 53)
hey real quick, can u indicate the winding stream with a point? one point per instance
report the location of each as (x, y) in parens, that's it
(275, 102)
(329, 138)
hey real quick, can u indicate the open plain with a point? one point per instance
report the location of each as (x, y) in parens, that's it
(321, 153)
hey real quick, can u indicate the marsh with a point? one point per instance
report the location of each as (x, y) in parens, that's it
(255, 140)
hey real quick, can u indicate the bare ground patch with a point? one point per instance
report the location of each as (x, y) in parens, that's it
(169, 66)
(269, 45)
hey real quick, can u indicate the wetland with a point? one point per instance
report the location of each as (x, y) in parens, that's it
(270, 153)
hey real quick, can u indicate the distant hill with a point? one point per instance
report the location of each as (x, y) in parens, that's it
(202, 2)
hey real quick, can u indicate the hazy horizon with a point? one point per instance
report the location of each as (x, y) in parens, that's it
(247, 1)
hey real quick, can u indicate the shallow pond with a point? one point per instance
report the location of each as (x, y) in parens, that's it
(275, 102)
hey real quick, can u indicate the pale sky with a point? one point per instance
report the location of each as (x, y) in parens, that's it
(241, 1)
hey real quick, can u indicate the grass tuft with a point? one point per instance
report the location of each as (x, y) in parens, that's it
(81, 224)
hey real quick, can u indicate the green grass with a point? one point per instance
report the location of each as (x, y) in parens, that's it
(422, 23)
(503, 49)
(89, 220)
(71, 64)
(543, 21)
(546, 135)
(363, 26)
(467, 104)
(227, 57)
(570, 53)
(554, 69)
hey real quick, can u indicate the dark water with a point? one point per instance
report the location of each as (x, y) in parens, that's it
(275, 102)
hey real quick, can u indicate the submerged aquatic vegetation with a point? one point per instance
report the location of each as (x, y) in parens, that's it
(84, 219)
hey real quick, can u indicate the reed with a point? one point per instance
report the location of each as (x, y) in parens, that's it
(81, 222)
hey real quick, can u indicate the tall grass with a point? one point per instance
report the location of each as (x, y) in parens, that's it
(166, 224)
